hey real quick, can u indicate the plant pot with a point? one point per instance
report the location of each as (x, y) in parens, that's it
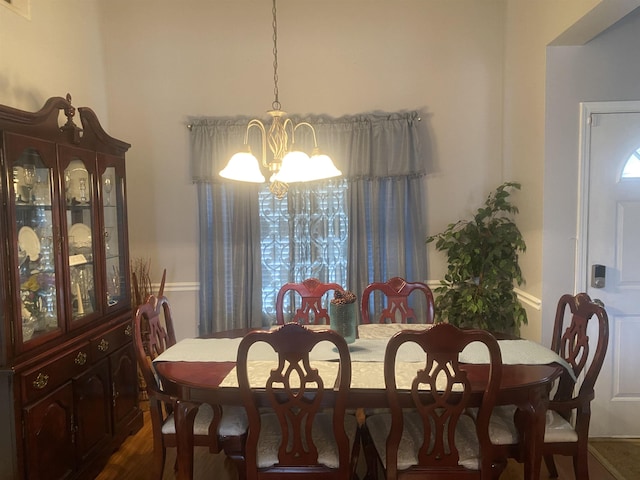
(343, 319)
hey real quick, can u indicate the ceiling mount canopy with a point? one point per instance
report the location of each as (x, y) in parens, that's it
(287, 164)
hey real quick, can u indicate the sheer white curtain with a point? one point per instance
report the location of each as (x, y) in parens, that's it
(380, 157)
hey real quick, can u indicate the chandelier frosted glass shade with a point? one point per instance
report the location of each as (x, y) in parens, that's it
(323, 167)
(298, 167)
(295, 168)
(288, 165)
(243, 167)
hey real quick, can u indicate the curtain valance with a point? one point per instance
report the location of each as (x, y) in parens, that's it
(376, 145)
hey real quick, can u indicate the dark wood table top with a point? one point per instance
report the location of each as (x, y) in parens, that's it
(200, 381)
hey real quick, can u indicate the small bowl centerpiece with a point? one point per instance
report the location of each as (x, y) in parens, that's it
(343, 314)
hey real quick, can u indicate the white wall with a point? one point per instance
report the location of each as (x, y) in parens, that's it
(604, 69)
(57, 51)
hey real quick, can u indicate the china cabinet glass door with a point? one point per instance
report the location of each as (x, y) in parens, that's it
(32, 190)
(79, 201)
(113, 215)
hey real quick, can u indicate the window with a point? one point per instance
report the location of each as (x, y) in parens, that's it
(302, 236)
(632, 167)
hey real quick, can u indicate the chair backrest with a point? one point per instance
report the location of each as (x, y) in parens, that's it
(296, 393)
(154, 333)
(311, 290)
(397, 291)
(440, 393)
(571, 341)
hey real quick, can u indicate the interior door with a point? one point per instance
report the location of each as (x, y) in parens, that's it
(613, 248)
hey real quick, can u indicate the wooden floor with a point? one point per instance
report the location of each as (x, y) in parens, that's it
(133, 461)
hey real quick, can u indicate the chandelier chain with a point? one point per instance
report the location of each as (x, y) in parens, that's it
(276, 103)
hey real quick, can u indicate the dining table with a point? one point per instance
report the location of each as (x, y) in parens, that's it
(202, 370)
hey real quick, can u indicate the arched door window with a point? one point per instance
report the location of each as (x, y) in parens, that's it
(632, 167)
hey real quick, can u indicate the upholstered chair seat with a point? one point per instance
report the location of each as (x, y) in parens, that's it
(466, 440)
(234, 421)
(558, 430)
(323, 438)
(503, 431)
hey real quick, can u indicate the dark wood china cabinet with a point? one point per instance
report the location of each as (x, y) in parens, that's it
(68, 375)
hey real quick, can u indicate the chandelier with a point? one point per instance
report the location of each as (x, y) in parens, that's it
(287, 164)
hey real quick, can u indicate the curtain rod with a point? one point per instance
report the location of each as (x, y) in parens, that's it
(417, 117)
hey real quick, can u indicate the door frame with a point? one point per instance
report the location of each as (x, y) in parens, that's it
(587, 109)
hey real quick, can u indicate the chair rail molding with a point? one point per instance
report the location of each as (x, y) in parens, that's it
(526, 298)
(177, 287)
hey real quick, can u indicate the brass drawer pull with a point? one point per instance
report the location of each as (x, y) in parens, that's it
(41, 381)
(103, 346)
(81, 358)
(127, 331)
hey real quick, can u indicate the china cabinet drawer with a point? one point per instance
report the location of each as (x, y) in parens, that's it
(111, 340)
(48, 376)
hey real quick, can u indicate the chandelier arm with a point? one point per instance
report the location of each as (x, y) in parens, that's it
(257, 123)
(313, 131)
(289, 123)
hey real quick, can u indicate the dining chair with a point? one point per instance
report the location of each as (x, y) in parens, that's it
(396, 293)
(569, 411)
(219, 428)
(296, 408)
(391, 299)
(311, 310)
(428, 432)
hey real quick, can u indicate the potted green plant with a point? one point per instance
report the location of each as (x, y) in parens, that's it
(483, 270)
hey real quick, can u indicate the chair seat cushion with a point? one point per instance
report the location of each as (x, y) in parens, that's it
(322, 434)
(558, 430)
(502, 429)
(234, 421)
(413, 436)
